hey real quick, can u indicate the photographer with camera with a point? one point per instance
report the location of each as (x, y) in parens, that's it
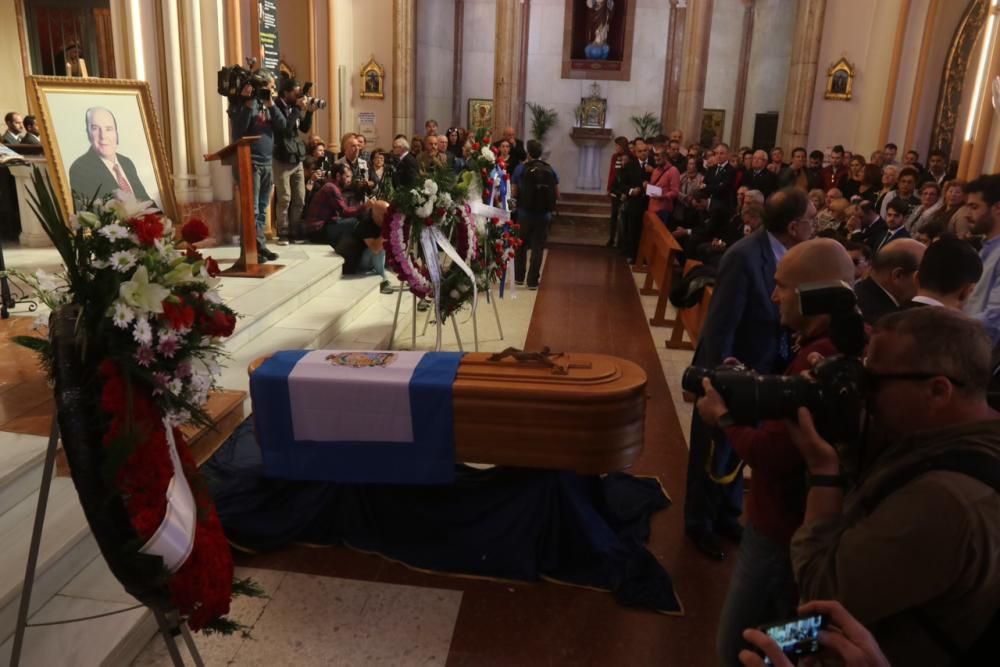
(252, 113)
(911, 551)
(762, 587)
(295, 112)
(742, 322)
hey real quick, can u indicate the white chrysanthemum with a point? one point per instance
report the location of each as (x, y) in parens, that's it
(424, 210)
(445, 200)
(99, 263)
(175, 386)
(122, 315)
(143, 332)
(123, 260)
(113, 232)
(487, 153)
(430, 187)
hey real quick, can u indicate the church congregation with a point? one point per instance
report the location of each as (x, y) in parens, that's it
(741, 406)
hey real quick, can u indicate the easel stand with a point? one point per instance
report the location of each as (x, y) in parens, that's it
(169, 623)
(490, 298)
(246, 266)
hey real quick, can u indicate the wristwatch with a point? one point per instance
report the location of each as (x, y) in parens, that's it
(835, 481)
(725, 421)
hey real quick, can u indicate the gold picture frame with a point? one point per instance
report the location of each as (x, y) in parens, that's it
(480, 114)
(63, 107)
(373, 80)
(840, 80)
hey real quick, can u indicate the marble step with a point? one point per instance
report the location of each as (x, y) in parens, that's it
(21, 459)
(66, 547)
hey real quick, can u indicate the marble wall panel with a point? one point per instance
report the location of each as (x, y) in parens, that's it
(435, 60)
(723, 58)
(770, 57)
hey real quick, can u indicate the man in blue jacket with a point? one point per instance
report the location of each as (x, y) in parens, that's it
(742, 323)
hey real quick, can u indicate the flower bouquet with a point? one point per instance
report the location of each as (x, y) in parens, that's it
(422, 223)
(134, 338)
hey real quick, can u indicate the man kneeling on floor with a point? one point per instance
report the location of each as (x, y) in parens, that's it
(354, 232)
(762, 588)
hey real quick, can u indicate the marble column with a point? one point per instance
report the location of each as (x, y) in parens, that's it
(694, 68)
(175, 101)
(672, 69)
(507, 64)
(457, 59)
(404, 74)
(984, 122)
(889, 98)
(216, 121)
(332, 83)
(196, 99)
(32, 235)
(739, 104)
(802, 73)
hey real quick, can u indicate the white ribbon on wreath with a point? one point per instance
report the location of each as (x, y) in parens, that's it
(174, 538)
(432, 238)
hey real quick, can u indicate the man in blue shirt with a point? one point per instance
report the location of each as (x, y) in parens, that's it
(983, 206)
(536, 188)
(249, 117)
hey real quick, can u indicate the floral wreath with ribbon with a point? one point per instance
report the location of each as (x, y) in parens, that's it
(148, 321)
(424, 222)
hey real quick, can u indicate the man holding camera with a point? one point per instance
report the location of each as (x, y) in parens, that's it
(911, 551)
(251, 116)
(294, 115)
(762, 587)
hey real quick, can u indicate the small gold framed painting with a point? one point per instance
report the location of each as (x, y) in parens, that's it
(839, 80)
(373, 80)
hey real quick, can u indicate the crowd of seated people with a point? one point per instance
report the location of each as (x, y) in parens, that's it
(891, 532)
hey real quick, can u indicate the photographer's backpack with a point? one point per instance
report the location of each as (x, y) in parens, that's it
(537, 192)
(977, 465)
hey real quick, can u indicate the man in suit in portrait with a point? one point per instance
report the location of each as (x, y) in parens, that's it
(892, 280)
(742, 323)
(102, 170)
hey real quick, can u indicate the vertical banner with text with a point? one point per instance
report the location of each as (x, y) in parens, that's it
(270, 56)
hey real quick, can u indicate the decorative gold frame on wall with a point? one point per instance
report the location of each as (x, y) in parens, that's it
(59, 172)
(473, 105)
(593, 106)
(840, 80)
(953, 76)
(373, 68)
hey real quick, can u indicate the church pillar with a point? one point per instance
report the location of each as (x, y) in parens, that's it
(694, 68)
(889, 99)
(507, 64)
(457, 58)
(982, 124)
(175, 101)
(739, 104)
(332, 81)
(197, 102)
(802, 73)
(672, 69)
(918, 80)
(404, 81)
(216, 121)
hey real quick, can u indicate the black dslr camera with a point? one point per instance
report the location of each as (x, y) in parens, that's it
(834, 391)
(314, 102)
(233, 79)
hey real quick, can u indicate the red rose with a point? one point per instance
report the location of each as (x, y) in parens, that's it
(194, 230)
(475, 146)
(212, 267)
(218, 323)
(178, 315)
(147, 228)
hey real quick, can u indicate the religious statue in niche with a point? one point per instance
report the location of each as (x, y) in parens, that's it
(840, 80)
(599, 22)
(373, 80)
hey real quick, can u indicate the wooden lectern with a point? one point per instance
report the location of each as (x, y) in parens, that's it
(246, 266)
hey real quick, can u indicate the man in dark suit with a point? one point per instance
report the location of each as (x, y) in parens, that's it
(517, 152)
(947, 274)
(742, 323)
(872, 226)
(102, 170)
(407, 171)
(760, 177)
(895, 224)
(892, 280)
(719, 181)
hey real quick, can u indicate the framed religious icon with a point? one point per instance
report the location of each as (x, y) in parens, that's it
(593, 109)
(373, 80)
(713, 124)
(839, 80)
(102, 135)
(480, 114)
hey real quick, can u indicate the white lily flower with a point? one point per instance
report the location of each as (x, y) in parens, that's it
(144, 296)
(126, 206)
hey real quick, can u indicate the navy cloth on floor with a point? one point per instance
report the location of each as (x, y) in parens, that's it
(503, 522)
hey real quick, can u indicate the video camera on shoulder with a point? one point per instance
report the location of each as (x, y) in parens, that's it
(834, 391)
(232, 80)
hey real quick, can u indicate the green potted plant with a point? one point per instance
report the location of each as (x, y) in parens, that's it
(646, 125)
(542, 120)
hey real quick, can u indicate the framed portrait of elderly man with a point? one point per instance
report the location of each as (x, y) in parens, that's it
(102, 135)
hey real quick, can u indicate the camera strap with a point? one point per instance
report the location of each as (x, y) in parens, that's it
(727, 478)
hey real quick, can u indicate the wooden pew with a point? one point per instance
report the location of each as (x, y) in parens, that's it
(689, 319)
(658, 257)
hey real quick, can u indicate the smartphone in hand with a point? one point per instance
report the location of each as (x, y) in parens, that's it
(798, 637)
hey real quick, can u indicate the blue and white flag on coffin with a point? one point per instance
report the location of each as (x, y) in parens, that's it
(361, 417)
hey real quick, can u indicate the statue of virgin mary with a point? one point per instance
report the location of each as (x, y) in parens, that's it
(599, 25)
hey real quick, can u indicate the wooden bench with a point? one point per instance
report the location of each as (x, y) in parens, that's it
(689, 320)
(658, 258)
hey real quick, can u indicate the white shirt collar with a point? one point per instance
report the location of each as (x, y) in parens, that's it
(926, 300)
(777, 247)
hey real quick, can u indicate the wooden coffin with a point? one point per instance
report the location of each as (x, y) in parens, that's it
(580, 412)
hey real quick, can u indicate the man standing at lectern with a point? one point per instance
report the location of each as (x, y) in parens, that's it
(252, 117)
